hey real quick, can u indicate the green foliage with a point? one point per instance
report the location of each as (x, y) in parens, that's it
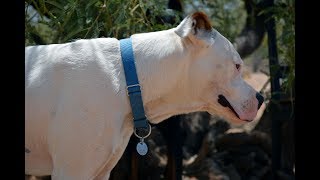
(284, 14)
(285, 18)
(74, 19)
(227, 16)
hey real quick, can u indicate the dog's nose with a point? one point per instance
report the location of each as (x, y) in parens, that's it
(260, 99)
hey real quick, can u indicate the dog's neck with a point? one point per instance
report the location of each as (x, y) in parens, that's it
(162, 62)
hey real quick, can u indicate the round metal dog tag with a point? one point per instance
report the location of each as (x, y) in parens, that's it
(142, 148)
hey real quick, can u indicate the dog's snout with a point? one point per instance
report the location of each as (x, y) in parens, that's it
(225, 103)
(260, 99)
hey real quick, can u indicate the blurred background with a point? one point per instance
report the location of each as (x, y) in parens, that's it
(197, 145)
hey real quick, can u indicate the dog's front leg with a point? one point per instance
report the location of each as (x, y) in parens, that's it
(82, 151)
(126, 132)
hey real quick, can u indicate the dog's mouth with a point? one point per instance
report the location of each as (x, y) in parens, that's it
(225, 103)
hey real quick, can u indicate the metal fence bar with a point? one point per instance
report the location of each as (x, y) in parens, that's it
(275, 91)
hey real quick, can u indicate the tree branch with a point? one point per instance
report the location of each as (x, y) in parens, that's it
(252, 34)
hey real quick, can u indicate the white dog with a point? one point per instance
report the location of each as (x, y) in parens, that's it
(78, 117)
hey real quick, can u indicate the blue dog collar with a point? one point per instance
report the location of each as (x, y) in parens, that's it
(133, 86)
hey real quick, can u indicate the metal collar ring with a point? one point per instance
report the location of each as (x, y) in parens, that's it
(149, 132)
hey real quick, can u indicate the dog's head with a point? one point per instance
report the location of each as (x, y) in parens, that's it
(215, 71)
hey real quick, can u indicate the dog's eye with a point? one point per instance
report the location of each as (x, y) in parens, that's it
(238, 66)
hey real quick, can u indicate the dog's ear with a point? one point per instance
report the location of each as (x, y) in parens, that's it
(197, 28)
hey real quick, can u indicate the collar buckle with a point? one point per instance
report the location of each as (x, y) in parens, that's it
(133, 88)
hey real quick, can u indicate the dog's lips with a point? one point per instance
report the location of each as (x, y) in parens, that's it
(225, 103)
